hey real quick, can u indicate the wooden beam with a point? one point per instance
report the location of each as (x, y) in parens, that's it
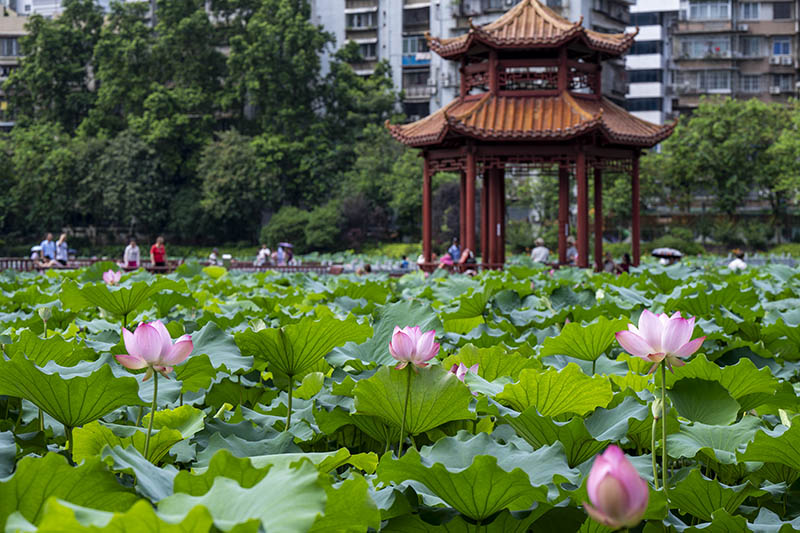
(598, 219)
(501, 215)
(462, 210)
(583, 210)
(635, 230)
(492, 208)
(493, 71)
(427, 227)
(563, 212)
(485, 218)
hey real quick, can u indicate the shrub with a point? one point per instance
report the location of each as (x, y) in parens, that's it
(724, 231)
(758, 235)
(669, 241)
(288, 224)
(790, 248)
(519, 235)
(324, 228)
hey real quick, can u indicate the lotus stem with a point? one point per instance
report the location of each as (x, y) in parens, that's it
(124, 320)
(594, 366)
(664, 457)
(405, 409)
(41, 420)
(70, 442)
(653, 451)
(152, 415)
(289, 410)
(139, 416)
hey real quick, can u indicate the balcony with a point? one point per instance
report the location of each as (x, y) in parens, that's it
(420, 59)
(685, 27)
(418, 92)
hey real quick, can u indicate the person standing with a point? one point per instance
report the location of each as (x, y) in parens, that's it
(738, 263)
(263, 256)
(130, 258)
(454, 250)
(540, 254)
(62, 251)
(48, 248)
(158, 253)
(572, 252)
(281, 257)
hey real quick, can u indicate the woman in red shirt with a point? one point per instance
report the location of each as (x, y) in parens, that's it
(158, 253)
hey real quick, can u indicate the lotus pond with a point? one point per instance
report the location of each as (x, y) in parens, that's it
(289, 414)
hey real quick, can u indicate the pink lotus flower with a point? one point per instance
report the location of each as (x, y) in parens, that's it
(617, 492)
(660, 337)
(111, 277)
(410, 345)
(151, 347)
(460, 370)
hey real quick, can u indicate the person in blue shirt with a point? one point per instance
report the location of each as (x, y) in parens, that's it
(48, 248)
(455, 251)
(404, 263)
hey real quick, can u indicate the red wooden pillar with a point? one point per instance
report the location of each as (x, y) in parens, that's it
(497, 201)
(563, 212)
(635, 232)
(462, 210)
(427, 230)
(469, 221)
(583, 210)
(598, 218)
(492, 218)
(501, 215)
(485, 218)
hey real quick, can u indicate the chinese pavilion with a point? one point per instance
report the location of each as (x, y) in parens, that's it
(530, 95)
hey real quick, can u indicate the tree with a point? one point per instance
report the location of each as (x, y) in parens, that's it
(53, 83)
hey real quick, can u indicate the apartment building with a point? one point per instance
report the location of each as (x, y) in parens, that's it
(12, 27)
(740, 49)
(648, 63)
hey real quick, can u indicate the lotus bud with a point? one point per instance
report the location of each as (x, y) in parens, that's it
(45, 313)
(617, 493)
(655, 408)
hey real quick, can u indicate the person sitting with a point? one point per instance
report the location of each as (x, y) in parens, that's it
(625, 264)
(446, 262)
(262, 259)
(572, 251)
(738, 263)
(48, 249)
(61, 254)
(213, 258)
(540, 254)
(608, 263)
(454, 250)
(467, 262)
(404, 263)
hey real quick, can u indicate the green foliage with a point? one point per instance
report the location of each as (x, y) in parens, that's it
(288, 224)
(324, 228)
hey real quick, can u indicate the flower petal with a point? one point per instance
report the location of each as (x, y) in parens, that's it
(401, 346)
(178, 352)
(599, 517)
(689, 348)
(634, 344)
(677, 333)
(149, 343)
(166, 338)
(650, 328)
(131, 362)
(130, 342)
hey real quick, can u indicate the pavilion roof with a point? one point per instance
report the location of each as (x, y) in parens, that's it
(512, 118)
(530, 25)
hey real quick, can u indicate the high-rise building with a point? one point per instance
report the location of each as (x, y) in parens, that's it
(12, 27)
(395, 30)
(735, 48)
(648, 62)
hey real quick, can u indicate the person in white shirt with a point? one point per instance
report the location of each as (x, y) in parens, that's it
(213, 258)
(263, 256)
(738, 262)
(130, 258)
(540, 253)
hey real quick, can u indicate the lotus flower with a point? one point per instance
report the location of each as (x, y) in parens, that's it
(617, 492)
(111, 277)
(151, 347)
(460, 370)
(410, 345)
(660, 337)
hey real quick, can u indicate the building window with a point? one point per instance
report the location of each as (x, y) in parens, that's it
(360, 21)
(750, 84)
(9, 47)
(646, 47)
(715, 80)
(781, 10)
(644, 104)
(709, 10)
(415, 78)
(751, 46)
(782, 46)
(368, 50)
(700, 47)
(417, 17)
(784, 82)
(750, 10)
(645, 19)
(645, 76)
(415, 44)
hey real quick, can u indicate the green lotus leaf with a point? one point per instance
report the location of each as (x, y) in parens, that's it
(718, 443)
(554, 392)
(505, 522)
(152, 482)
(749, 386)
(703, 401)
(214, 350)
(437, 397)
(170, 427)
(586, 342)
(8, 453)
(348, 508)
(778, 445)
(120, 300)
(376, 349)
(167, 299)
(701, 497)
(297, 349)
(286, 500)
(38, 479)
(55, 348)
(268, 444)
(478, 477)
(72, 395)
(494, 362)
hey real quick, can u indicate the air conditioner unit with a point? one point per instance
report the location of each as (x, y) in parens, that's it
(774, 90)
(509, 2)
(742, 27)
(775, 60)
(431, 82)
(787, 60)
